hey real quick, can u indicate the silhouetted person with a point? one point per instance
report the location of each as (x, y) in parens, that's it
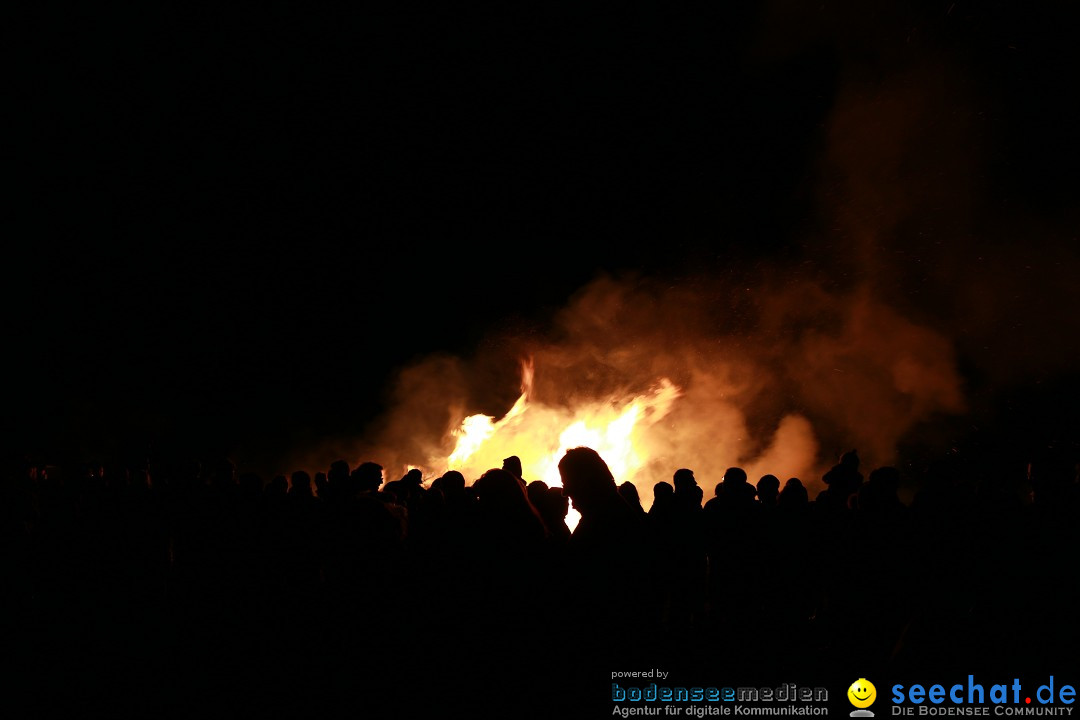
(511, 524)
(299, 554)
(367, 477)
(663, 504)
(610, 561)
(733, 544)
(300, 484)
(733, 495)
(793, 565)
(200, 578)
(512, 465)
(683, 559)
(793, 497)
(535, 491)
(364, 555)
(409, 490)
(511, 566)
(878, 496)
(338, 481)
(842, 481)
(630, 494)
(687, 491)
(453, 485)
(768, 490)
(453, 520)
(277, 487)
(876, 564)
(663, 519)
(554, 507)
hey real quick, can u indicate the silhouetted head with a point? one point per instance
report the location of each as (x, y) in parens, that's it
(278, 486)
(498, 486)
(693, 496)
(555, 498)
(630, 494)
(843, 479)
(587, 480)
(663, 498)
(339, 472)
(367, 477)
(452, 482)
(536, 490)
(395, 491)
(734, 476)
(768, 489)
(684, 480)
(880, 490)
(794, 494)
(413, 478)
(300, 483)
(886, 478)
(502, 500)
(512, 465)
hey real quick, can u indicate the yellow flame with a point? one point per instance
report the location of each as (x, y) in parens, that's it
(540, 435)
(475, 429)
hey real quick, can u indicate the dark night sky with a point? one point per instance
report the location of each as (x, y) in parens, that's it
(234, 224)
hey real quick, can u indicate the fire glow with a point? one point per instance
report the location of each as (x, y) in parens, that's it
(650, 378)
(540, 434)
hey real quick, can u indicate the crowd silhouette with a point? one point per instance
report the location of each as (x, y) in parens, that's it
(189, 589)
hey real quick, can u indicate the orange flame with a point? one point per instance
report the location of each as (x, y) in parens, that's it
(540, 434)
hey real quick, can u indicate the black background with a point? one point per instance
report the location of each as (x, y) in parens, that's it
(229, 226)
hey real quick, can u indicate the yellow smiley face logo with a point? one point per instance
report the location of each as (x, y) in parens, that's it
(862, 693)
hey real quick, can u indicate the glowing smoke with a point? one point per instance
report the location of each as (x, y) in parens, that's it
(850, 340)
(775, 379)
